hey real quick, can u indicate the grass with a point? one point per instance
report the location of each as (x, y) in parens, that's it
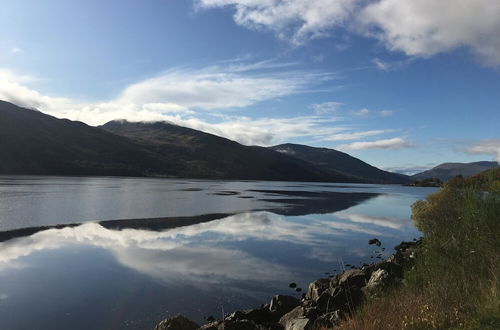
(455, 281)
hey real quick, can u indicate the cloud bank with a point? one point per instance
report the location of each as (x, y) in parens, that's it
(419, 28)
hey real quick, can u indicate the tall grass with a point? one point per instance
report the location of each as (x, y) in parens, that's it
(455, 281)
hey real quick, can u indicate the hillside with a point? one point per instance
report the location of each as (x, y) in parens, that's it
(196, 154)
(447, 171)
(35, 143)
(333, 160)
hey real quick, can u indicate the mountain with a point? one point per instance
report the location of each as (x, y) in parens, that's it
(333, 160)
(35, 143)
(447, 171)
(196, 154)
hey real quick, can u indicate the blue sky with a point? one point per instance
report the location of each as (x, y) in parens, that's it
(401, 84)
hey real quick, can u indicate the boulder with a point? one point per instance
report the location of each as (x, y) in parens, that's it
(280, 305)
(328, 320)
(178, 322)
(299, 324)
(317, 287)
(352, 277)
(258, 315)
(379, 280)
(375, 241)
(300, 312)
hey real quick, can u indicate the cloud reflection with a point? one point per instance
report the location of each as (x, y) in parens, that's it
(200, 253)
(389, 222)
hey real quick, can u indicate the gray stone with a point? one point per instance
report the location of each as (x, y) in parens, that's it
(178, 322)
(353, 277)
(317, 287)
(280, 305)
(298, 324)
(328, 320)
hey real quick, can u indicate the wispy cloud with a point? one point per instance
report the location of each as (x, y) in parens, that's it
(366, 112)
(394, 143)
(486, 147)
(355, 135)
(326, 107)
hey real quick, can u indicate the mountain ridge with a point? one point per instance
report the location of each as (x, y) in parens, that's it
(32, 142)
(446, 171)
(342, 162)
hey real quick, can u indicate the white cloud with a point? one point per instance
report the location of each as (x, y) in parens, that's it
(355, 135)
(186, 96)
(420, 28)
(427, 27)
(390, 65)
(326, 107)
(297, 20)
(217, 87)
(362, 112)
(366, 112)
(394, 143)
(487, 147)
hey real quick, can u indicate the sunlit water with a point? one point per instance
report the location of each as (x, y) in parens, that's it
(92, 277)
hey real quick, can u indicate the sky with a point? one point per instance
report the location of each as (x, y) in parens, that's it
(401, 84)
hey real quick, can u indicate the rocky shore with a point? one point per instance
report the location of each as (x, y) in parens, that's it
(327, 302)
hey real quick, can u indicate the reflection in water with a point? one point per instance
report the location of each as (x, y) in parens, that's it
(130, 274)
(192, 251)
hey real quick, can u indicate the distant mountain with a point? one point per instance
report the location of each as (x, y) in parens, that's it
(447, 171)
(196, 154)
(333, 160)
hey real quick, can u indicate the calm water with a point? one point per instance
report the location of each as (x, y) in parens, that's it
(95, 277)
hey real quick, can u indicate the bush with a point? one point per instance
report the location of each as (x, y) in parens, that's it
(455, 281)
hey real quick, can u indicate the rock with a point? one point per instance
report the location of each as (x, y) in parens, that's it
(375, 241)
(352, 277)
(300, 312)
(379, 280)
(292, 285)
(258, 315)
(317, 287)
(280, 305)
(178, 322)
(328, 320)
(298, 324)
(345, 299)
(211, 326)
(241, 325)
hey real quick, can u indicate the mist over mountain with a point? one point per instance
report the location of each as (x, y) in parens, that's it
(447, 171)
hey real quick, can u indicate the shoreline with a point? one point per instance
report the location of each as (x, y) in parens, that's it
(327, 302)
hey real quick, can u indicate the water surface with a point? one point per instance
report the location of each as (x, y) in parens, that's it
(102, 275)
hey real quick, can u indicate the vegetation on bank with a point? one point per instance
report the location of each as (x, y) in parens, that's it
(429, 182)
(455, 282)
